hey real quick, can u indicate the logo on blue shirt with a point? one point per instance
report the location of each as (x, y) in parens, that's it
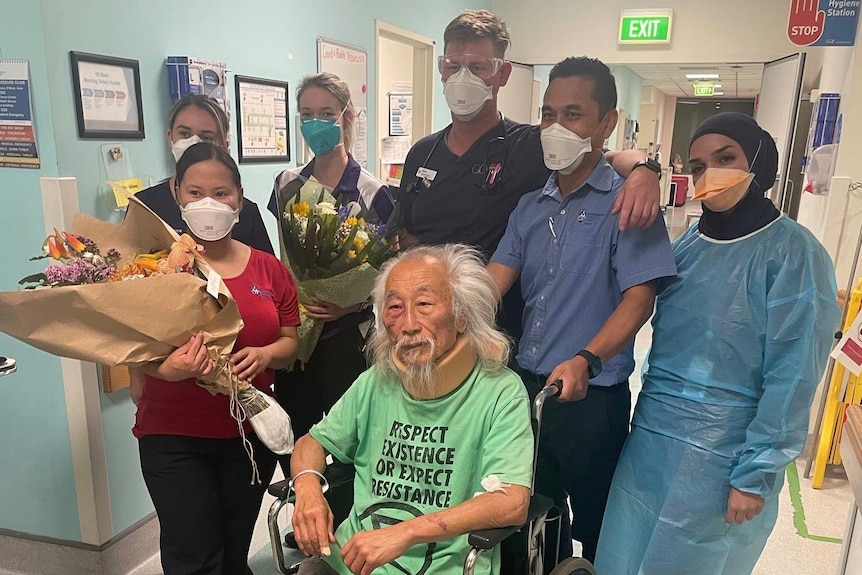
(589, 218)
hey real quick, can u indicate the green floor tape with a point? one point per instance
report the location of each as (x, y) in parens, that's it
(798, 511)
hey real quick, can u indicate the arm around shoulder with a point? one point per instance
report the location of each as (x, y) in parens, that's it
(639, 199)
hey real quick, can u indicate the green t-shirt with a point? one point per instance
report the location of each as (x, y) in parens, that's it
(417, 457)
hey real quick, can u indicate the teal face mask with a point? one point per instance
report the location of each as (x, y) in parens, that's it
(321, 135)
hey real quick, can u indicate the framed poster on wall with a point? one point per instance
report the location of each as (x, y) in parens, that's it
(107, 93)
(350, 63)
(261, 120)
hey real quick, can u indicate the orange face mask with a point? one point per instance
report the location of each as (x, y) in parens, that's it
(721, 188)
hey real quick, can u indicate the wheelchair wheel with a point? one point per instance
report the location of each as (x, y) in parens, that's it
(574, 566)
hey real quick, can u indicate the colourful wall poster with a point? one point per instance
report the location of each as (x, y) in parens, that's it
(17, 134)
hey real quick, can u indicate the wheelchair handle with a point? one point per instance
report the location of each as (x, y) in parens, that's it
(553, 389)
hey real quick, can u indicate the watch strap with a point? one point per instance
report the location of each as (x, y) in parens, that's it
(650, 164)
(594, 364)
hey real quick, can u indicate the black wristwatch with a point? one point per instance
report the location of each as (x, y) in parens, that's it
(594, 364)
(650, 164)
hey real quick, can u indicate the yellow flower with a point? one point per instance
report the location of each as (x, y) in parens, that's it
(358, 243)
(362, 222)
(300, 208)
(350, 222)
(351, 254)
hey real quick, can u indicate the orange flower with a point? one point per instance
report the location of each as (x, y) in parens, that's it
(73, 242)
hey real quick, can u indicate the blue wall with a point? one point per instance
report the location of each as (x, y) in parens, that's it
(254, 39)
(37, 489)
(629, 88)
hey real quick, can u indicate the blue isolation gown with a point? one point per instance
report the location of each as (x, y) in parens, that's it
(740, 340)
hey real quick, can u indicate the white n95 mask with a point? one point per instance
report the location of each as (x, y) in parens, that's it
(466, 93)
(563, 149)
(208, 219)
(179, 147)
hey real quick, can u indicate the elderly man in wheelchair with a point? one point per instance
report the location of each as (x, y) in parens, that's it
(438, 431)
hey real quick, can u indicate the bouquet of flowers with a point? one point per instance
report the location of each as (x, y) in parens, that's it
(133, 304)
(332, 252)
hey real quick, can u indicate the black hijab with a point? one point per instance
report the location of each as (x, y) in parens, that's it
(754, 210)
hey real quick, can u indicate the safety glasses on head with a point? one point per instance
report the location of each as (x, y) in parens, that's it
(480, 66)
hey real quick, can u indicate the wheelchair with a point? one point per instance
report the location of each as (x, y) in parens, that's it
(521, 546)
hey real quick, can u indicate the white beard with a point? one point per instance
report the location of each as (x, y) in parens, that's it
(418, 377)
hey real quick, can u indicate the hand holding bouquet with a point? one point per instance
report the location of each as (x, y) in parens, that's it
(133, 304)
(332, 252)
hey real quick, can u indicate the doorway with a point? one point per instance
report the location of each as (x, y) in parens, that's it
(405, 76)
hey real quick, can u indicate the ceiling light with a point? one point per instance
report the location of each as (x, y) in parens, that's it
(701, 76)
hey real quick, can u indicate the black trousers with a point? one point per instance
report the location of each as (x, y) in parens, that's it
(307, 392)
(206, 506)
(579, 445)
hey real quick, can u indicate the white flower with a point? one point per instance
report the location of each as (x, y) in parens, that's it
(325, 209)
(362, 235)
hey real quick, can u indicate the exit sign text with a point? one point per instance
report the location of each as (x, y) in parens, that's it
(645, 26)
(704, 89)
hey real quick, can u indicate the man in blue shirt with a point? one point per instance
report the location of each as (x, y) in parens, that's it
(588, 287)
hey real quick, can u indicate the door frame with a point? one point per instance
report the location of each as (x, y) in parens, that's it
(423, 78)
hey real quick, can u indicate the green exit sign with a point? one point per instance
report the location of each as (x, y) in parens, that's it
(704, 89)
(645, 26)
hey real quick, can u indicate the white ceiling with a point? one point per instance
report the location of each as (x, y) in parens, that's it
(741, 80)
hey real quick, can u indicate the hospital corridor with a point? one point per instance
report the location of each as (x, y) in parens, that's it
(498, 287)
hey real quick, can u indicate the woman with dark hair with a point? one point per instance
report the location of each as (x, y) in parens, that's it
(740, 340)
(327, 118)
(192, 119)
(192, 455)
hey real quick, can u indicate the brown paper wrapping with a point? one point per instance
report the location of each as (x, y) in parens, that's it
(127, 322)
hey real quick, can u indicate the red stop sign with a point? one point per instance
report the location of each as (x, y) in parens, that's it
(805, 25)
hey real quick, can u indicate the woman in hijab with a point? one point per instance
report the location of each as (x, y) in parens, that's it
(740, 340)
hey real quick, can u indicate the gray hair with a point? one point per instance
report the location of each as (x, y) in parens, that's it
(475, 300)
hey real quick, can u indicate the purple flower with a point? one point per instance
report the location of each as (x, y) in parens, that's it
(343, 213)
(78, 272)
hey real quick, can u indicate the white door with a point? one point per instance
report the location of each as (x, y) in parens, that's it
(776, 112)
(518, 100)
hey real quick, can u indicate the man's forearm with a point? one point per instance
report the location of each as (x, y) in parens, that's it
(308, 453)
(629, 316)
(623, 161)
(485, 511)
(504, 276)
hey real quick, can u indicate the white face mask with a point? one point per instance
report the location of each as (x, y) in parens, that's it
(208, 219)
(466, 93)
(179, 147)
(563, 149)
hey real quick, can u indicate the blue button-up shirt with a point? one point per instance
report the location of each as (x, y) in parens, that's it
(574, 266)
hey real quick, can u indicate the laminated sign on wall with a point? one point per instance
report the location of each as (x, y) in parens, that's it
(351, 65)
(17, 133)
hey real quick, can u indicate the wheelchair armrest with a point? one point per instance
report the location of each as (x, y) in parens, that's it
(489, 538)
(280, 489)
(336, 474)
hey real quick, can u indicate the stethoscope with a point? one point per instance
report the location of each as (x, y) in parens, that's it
(492, 174)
